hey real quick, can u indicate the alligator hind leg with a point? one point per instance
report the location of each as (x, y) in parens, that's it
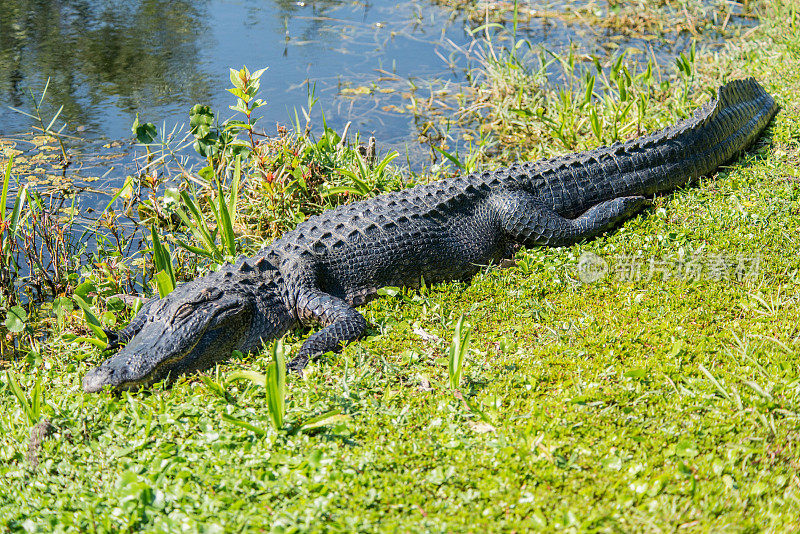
(530, 222)
(342, 324)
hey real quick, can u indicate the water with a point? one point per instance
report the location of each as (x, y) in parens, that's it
(108, 60)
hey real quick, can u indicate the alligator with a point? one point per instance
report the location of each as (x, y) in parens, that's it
(445, 230)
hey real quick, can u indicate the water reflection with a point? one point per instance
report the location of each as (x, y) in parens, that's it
(125, 53)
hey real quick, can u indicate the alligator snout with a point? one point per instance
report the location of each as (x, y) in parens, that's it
(97, 379)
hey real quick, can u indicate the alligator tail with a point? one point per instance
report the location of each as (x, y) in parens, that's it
(716, 134)
(660, 161)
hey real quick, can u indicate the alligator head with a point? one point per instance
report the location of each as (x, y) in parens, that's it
(199, 323)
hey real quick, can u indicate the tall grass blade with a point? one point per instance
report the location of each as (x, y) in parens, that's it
(31, 414)
(458, 352)
(450, 157)
(53, 120)
(276, 385)
(91, 320)
(128, 183)
(165, 277)
(6, 181)
(234, 189)
(224, 223)
(244, 424)
(198, 226)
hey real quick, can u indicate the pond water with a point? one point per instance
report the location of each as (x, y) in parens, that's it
(108, 60)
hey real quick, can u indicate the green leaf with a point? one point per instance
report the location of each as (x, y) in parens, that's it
(198, 226)
(587, 96)
(332, 417)
(235, 91)
(207, 173)
(128, 185)
(145, 133)
(237, 126)
(458, 351)
(195, 250)
(224, 222)
(91, 319)
(163, 284)
(6, 180)
(15, 319)
(22, 399)
(686, 449)
(235, 80)
(450, 157)
(338, 190)
(597, 128)
(389, 291)
(201, 120)
(163, 263)
(214, 387)
(62, 306)
(257, 74)
(385, 161)
(635, 373)
(251, 376)
(276, 385)
(135, 125)
(93, 340)
(244, 424)
(233, 194)
(84, 289)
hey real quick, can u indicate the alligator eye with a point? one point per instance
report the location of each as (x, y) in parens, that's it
(184, 311)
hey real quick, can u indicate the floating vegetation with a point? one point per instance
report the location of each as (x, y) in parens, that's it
(618, 20)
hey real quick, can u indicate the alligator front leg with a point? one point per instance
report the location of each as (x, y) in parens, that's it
(341, 324)
(531, 223)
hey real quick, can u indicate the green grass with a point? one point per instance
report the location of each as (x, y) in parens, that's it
(652, 405)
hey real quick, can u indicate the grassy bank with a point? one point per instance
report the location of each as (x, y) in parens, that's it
(660, 399)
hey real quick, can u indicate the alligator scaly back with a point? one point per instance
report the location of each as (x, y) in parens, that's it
(444, 230)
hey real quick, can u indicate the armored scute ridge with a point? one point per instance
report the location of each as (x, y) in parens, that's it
(440, 231)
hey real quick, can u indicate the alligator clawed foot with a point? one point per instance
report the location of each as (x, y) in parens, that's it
(297, 365)
(114, 340)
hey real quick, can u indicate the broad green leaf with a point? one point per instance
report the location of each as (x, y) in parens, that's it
(163, 284)
(145, 133)
(235, 91)
(15, 319)
(257, 74)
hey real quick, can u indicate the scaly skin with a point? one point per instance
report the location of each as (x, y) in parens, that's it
(440, 231)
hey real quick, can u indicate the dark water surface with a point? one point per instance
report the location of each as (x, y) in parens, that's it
(108, 60)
